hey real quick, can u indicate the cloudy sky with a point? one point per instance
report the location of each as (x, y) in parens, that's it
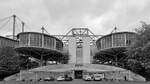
(59, 16)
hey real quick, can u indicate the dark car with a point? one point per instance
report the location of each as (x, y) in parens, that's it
(68, 79)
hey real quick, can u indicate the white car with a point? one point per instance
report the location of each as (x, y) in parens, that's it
(98, 77)
(18, 79)
(49, 79)
(60, 78)
(87, 78)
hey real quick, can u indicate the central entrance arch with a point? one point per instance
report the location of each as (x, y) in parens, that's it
(78, 74)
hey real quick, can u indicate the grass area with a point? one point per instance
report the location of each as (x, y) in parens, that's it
(74, 82)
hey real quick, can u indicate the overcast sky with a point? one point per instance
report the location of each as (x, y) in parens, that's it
(59, 16)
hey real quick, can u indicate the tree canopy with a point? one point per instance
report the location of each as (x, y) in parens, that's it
(11, 62)
(139, 53)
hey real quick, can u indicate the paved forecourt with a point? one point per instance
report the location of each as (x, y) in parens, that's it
(76, 81)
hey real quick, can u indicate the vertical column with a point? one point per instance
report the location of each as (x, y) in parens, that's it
(93, 50)
(72, 50)
(125, 39)
(22, 26)
(29, 38)
(54, 43)
(86, 50)
(101, 42)
(14, 24)
(79, 54)
(112, 45)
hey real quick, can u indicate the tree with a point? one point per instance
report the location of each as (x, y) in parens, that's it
(139, 52)
(64, 58)
(11, 62)
(26, 63)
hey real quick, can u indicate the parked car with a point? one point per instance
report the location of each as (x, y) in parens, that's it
(87, 78)
(40, 79)
(98, 77)
(49, 79)
(18, 79)
(68, 79)
(61, 78)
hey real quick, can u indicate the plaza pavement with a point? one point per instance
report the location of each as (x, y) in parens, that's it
(76, 81)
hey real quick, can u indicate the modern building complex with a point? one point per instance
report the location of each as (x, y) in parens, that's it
(81, 45)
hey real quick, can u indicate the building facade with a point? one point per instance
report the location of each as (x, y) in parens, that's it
(7, 42)
(114, 40)
(80, 52)
(39, 40)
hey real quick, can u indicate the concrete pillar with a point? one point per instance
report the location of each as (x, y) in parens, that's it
(72, 50)
(79, 55)
(86, 50)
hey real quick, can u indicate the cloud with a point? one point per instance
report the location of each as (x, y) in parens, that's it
(58, 16)
(126, 15)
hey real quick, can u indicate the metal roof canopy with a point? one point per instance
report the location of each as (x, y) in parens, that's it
(78, 33)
